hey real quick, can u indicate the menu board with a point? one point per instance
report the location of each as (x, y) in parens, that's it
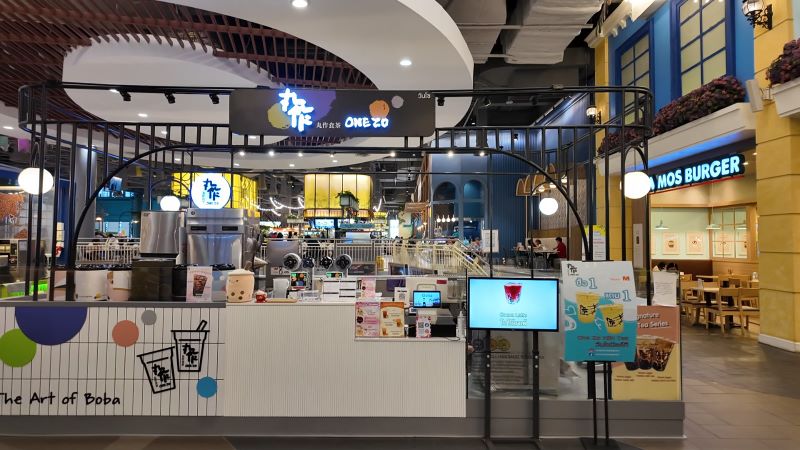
(392, 319)
(599, 311)
(198, 283)
(655, 372)
(368, 319)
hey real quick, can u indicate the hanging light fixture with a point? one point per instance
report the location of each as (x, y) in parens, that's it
(548, 206)
(170, 203)
(564, 179)
(551, 185)
(637, 184)
(594, 114)
(757, 13)
(541, 188)
(28, 180)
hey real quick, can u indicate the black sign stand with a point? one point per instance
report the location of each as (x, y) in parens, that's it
(534, 440)
(593, 443)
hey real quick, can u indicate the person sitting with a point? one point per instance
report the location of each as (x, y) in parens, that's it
(561, 248)
(537, 246)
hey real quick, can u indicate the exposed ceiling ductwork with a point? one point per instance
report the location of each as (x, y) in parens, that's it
(536, 31)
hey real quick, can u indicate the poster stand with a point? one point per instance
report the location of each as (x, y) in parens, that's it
(534, 439)
(593, 443)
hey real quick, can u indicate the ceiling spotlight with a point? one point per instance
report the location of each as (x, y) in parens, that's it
(745, 163)
(126, 97)
(299, 154)
(242, 153)
(113, 90)
(252, 138)
(142, 115)
(8, 127)
(405, 62)
(336, 161)
(392, 154)
(450, 153)
(271, 153)
(331, 155)
(236, 164)
(170, 97)
(291, 164)
(177, 160)
(214, 98)
(164, 132)
(564, 179)
(299, 4)
(482, 153)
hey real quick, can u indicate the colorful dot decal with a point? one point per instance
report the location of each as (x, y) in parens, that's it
(50, 326)
(149, 317)
(125, 333)
(206, 387)
(16, 350)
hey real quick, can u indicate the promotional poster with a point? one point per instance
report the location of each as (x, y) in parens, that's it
(599, 310)
(655, 372)
(198, 283)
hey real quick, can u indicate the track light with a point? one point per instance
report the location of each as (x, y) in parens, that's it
(170, 97)
(214, 98)
(126, 97)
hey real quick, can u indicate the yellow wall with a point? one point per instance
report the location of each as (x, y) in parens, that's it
(321, 189)
(778, 185)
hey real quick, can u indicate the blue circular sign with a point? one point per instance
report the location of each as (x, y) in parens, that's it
(210, 191)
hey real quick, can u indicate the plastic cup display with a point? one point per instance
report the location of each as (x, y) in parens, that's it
(513, 292)
(587, 306)
(160, 368)
(612, 317)
(189, 347)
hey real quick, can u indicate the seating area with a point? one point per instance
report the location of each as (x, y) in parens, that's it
(719, 300)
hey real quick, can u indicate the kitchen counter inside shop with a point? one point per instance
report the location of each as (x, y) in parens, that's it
(303, 360)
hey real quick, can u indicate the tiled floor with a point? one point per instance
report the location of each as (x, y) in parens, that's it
(739, 395)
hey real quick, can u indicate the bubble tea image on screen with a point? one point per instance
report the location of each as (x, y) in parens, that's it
(513, 292)
(587, 306)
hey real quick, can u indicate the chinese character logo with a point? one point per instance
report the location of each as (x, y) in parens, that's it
(296, 108)
(211, 189)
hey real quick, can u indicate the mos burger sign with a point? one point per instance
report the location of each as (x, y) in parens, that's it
(702, 172)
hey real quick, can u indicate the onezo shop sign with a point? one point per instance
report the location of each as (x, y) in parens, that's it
(702, 172)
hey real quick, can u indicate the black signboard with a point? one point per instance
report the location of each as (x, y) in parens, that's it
(334, 113)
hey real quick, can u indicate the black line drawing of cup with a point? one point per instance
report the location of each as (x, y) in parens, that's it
(160, 368)
(190, 347)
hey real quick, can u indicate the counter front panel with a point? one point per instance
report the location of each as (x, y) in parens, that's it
(134, 359)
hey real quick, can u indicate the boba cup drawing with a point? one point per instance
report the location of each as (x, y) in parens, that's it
(612, 317)
(587, 306)
(160, 368)
(190, 347)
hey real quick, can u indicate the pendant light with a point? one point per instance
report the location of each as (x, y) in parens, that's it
(28, 180)
(548, 206)
(637, 183)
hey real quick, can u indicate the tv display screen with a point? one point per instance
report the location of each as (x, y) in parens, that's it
(392, 283)
(513, 304)
(323, 223)
(427, 299)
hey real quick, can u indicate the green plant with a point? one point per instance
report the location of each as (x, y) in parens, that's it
(346, 194)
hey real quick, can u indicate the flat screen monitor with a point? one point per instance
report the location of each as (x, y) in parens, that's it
(299, 281)
(334, 274)
(427, 299)
(392, 283)
(513, 304)
(398, 269)
(324, 223)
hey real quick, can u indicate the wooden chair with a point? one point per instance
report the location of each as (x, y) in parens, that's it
(721, 309)
(748, 306)
(691, 303)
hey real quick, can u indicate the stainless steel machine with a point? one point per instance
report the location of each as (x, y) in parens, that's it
(162, 234)
(221, 236)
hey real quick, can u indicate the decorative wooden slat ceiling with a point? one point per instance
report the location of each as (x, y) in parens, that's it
(35, 35)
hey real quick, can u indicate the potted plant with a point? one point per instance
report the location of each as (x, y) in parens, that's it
(784, 80)
(347, 199)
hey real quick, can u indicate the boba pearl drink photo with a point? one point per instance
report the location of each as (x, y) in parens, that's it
(513, 292)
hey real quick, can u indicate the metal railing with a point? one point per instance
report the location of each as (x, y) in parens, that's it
(103, 251)
(447, 258)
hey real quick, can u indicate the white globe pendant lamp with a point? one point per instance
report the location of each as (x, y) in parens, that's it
(28, 180)
(548, 206)
(170, 203)
(637, 184)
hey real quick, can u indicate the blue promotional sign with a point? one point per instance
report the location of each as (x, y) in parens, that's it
(599, 311)
(210, 191)
(714, 169)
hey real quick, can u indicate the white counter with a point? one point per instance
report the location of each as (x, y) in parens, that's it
(303, 360)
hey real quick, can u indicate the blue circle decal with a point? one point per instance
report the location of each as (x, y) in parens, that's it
(49, 325)
(206, 387)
